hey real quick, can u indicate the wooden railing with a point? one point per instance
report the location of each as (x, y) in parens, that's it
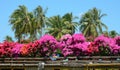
(72, 61)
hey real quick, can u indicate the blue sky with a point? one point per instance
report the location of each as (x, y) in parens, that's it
(55, 7)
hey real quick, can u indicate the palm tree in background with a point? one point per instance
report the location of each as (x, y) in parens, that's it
(30, 25)
(69, 19)
(58, 26)
(27, 24)
(8, 38)
(40, 20)
(113, 33)
(20, 21)
(91, 24)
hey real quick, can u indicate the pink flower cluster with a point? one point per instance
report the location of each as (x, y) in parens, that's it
(74, 45)
(6, 49)
(69, 45)
(45, 46)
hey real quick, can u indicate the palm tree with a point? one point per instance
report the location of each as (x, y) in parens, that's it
(57, 26)
(8, 38)
(38, 22)
(68, 18)
(91, 24)
(21, 22)
(113, 33)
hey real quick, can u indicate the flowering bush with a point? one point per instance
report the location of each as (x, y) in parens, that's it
(7, 48)
(64, 45)
(69, 45)
(1, 50)
(33, 49)
(107, 45)
(115, 45)
(48, 45)
(16, 50)
(102, 43)
(80, 45)
(24, 50)
(117, 40)
(78, 38)
(74, 45)
(92, 49)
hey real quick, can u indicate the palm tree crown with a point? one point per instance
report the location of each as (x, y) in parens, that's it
(27, 24)
(20, 19)
(58, 26)
(91, 24)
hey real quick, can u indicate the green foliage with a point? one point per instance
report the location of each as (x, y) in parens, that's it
(27, 24)
(32, 25)
(113, 33)
(91, 24)
(58, 26)
(8, 38)
(104, 51)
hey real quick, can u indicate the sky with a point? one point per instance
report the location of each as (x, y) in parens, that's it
(60, 7)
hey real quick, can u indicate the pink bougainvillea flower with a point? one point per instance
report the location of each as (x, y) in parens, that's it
(117, 40)
(73, 45)
(67, 52)
(78, 38)
(16, 49)
(48, 45)
(102, 41)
